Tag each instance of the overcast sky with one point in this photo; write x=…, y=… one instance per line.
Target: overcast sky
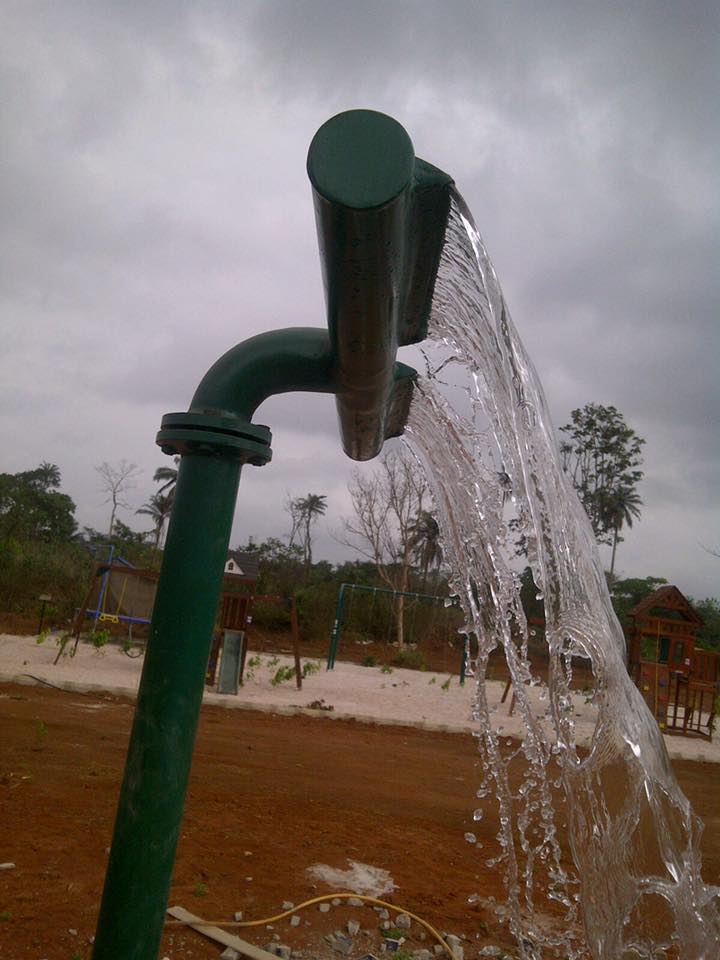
x=155, y=210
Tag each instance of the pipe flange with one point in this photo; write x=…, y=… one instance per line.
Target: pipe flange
x=215, y=435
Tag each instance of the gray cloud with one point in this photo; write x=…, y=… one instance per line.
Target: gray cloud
x=155, y=211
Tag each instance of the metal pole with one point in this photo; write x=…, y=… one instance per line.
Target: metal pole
x=296, y=642
x=337, y=627
x=159, y=756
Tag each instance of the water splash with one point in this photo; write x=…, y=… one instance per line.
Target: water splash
x=629, y=884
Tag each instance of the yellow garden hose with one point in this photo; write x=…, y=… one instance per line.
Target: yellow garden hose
x=309, y=903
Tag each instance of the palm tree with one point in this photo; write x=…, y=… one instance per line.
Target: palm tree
x=621, y=508
x=308, y=508
x=425, y=543
x=158, y=508
x=167, y=476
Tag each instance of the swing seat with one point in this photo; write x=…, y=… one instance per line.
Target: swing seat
x=109, y=618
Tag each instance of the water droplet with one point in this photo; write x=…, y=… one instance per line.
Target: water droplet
x=471, y=838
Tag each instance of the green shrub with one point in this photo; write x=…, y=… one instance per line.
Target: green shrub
x=411, y=658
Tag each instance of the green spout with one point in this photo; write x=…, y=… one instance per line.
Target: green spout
x=381, y=216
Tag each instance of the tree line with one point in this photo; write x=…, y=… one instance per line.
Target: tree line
x=391, y=529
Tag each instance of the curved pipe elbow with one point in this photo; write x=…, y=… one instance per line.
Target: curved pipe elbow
x=281, y=361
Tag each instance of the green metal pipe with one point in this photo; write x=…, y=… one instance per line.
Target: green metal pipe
x=171, y=688
x=281, y=361
x=381, y=216
x=337, y=627
x=381, y=226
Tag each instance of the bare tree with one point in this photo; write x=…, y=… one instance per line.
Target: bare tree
x=383, y=529
x=115, y=480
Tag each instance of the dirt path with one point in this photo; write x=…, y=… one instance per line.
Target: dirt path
x=269, y=797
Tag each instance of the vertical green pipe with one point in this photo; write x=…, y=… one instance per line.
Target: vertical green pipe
x=160, y=753
x=337, y=627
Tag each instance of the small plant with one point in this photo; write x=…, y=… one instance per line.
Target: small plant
x=41, y=731
x=310, y=667
x=386, y=668
x=273, y=662
x=282, y=674
x=42, y=636
x=63, y=643
x=5, y=914
x=130, y=649
x=411, y=658
x=446, y=685
x=392, y=933
x=252, y=665
x=432, y=680
x=369, y=661
x=99, y=638
x=200, y=890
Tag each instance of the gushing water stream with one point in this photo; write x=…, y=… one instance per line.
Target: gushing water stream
x=628, y=883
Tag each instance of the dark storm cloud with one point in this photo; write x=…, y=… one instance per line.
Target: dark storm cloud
x=155, y=211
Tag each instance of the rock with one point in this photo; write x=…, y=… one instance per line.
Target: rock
x=392, y=946
x=355, y=902
x=229, y=954
x=336, y=901
x=295, y=920
x=455, y=945
x=491, y=952
x=422, y=955
x=7, y=866
x=340, y=943
x=72, y=932
x=288, y=905
x=238, y=916
x=324, y=908
x=279, y=950
x=382, y=913
x=438, y=949
x=353, y=927
x=403, y=921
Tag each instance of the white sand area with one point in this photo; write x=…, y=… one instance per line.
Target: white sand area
x=416, y=698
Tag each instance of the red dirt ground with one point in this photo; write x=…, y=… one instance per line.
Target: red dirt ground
x=269, y=796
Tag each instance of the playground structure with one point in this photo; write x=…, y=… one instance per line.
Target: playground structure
x=381, y=216
x=677, y=678
x=120, y=593
x=374, y=623
x=231, y=641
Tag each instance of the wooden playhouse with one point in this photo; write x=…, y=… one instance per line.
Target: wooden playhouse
x=677, y=678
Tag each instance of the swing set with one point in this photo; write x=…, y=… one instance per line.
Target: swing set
x=350, y=593
x=118, y=593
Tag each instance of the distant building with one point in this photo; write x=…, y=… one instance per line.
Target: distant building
x=243, y=565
